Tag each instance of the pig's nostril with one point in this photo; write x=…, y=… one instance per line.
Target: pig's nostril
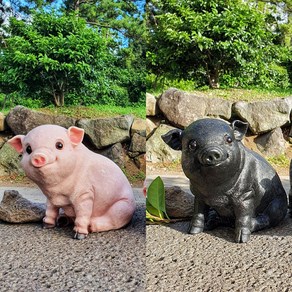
x=212, y=156
x=209, y=158
x=38, y=160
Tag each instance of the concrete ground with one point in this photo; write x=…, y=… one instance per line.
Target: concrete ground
x=36, y=259
x=212, y=261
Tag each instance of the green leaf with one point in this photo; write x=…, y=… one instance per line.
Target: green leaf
x=155, y=201
x=153, y=211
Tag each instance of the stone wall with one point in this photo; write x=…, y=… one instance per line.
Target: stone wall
x=269, y=121
x=122, y=138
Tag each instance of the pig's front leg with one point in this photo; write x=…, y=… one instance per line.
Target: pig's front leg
x=244, y=210
x=52, y=212
x=83, y=206
x=198, y=220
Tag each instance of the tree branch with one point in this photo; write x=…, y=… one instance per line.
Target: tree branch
x=104, y=25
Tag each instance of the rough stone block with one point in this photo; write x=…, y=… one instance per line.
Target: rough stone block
x=16, y=209
x=139, y=127
x=182, y=108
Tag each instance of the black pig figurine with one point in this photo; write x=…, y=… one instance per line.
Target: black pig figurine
x=230, y=182
x=290, y=192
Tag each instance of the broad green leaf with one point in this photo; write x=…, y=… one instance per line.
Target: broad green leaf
x=156, y=195
x=153, y=210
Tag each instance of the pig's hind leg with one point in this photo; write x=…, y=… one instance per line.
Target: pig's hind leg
x=52, y=212
x=116, y=217
x=272, y=215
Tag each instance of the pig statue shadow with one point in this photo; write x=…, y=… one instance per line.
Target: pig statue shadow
x=233, y=186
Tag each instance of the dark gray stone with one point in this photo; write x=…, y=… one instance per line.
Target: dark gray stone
x=179, y=204
x=157, y=150
x=138, y=144
x=151, y=105
x=133, y=154
x=116, y=153
x=9, y=161
x=264, y=116
x=271, y=143
x=16, y=209
x=138, y=127
x=21, y=120
x=151, y=124
x=181, y=108
x=106, y=132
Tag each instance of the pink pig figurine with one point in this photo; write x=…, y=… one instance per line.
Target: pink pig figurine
x=90, y=188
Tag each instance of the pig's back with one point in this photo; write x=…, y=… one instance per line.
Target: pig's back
x=107, y=177
x=265, y=179
x=259, y=164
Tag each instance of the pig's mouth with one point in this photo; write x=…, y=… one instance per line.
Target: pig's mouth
x=214, y=156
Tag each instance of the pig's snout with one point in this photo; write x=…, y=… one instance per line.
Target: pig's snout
x=212, y=156
x=39, y=159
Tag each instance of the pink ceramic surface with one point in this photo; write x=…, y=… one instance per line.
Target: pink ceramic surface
x=89, y=187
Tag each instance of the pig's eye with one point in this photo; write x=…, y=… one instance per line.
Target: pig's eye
x=59, y=145
x=228, y=139
x=192, y=145
x=28, y=150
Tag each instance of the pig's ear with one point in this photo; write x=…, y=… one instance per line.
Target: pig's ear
x=173, y=139
x=75, y=135
x=239, y=129
x=16, y=143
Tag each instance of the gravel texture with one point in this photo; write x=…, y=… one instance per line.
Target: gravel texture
x=212, y=261
x=36, y=259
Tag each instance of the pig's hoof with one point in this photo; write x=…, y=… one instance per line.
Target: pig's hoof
x=79, y=236
x=242, y=235
x=195, y=230
x=48, y=226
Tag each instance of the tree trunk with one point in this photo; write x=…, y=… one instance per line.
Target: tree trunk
x=213, y=78
x=59, y=98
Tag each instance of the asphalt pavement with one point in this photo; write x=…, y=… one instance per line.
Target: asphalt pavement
x=212, y=261
x=36, y=259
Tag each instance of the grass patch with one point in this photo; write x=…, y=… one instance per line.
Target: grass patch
x=232, y=94
x=90, y=112
x=249, y=95
x=135, y=178
x=279, y=161
x=236, y=94
x=95, y=111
